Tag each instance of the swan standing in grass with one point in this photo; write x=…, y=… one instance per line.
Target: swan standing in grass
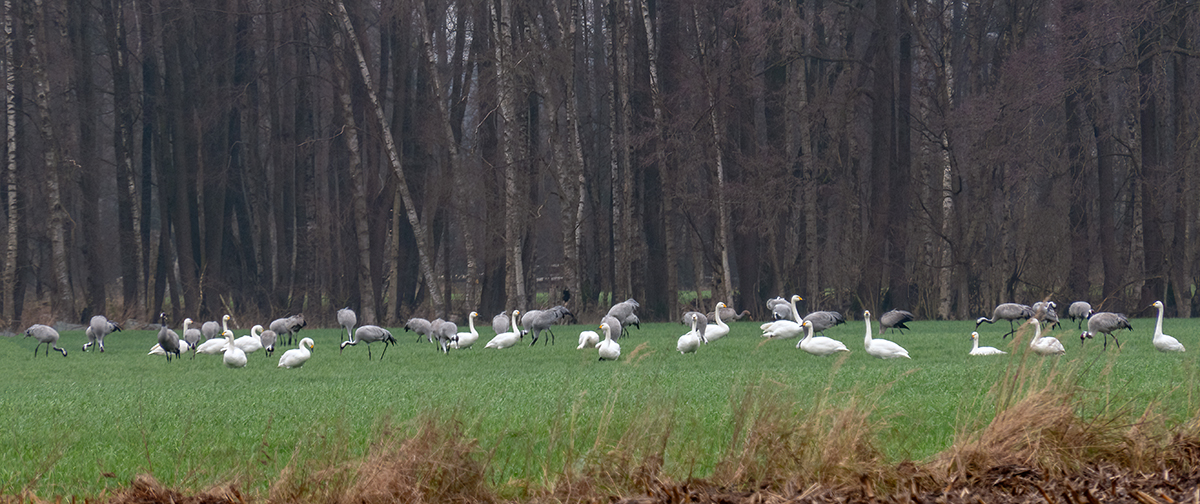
x=1048, y=345
x=783, y=328
x=877, y=347
x=234, y=356
x=510, y=336
x=819, y=345
x=1163, y=342
x=252, y=342
x=296, y=357
x=588, y=339
x=464, y=340
x=987, y=350
x=689, y=342
x=718, y=330
x=608, y=349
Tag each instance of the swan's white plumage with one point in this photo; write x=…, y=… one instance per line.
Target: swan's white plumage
x=464, y=340
x=987, y=350
x=588, y=339
x=717, y=330
x=507, y=338
x=689, y=342
x=783, y=329
x=1047, y=345
x=157, y=349
x=252, y=342
x=1163, y=342
x=234, y=356
x=819, y=345
x=881, y=348
x=296, y=357
x=608, y=349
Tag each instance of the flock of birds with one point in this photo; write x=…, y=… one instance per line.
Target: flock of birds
x=218, y=339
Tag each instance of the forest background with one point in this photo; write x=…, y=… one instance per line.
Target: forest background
x=435, y=157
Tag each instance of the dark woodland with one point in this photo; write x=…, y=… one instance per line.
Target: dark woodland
x=433, y=157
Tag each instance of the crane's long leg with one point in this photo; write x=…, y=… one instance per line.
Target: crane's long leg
x=368, y=351
x=551, y=340
x=381, y=354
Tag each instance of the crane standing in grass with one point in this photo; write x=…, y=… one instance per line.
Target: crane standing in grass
x=1106, y=323
x=167, y=338
x=44, y=334
x=369, y=334
x=1079, y=310
x=98, y=328
x=1009, y=312
x=347, y=319
x=536, y=321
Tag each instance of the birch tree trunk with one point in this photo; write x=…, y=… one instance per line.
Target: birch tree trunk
x=723, y=225
x=424, y=249
x=63, y=299
x=366, y=290
x=511, y=140
x=664, y=167
x=10, y=173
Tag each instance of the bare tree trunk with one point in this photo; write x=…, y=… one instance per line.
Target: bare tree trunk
x=362, y=231
x=511, y=139
x=419, y=231
x=664, y=167
x=10, y=172
x=723, y=227
x=63, y=298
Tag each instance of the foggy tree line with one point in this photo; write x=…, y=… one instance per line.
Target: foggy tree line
x=438, y=157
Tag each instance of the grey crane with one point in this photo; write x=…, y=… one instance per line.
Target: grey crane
x=780, y=308
x=612, y=323
x=1105, y=323
x=501, y=323
x=729, y=314
x=1079, y=310
x=369, y=334
x=1009, y=312
x=44, y=334
x=167, y=338
x=421, y=327
x=290, y=325
x=269, y=338
x=624, y=311
x=98, y=328
x=1046, y=311
x=536, y=321
x=822, y=320
x=701, y=321
x=347, y=318
x=445, y=332
x=210, y=329
x=895, y=319
x=190, y=334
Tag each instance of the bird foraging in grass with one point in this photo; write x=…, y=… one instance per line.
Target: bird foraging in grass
x=44, y=334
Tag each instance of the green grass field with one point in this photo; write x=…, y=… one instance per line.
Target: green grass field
x=89, y=422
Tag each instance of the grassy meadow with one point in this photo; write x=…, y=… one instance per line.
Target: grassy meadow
x=88, y=423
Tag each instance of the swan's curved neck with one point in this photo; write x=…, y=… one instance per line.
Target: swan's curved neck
x=471, y=322
x=1037, y=333
x=795, y=312
x=1158, y=326
x=512, y=322
x=717, y=315
x=808, y=332
x=224, y=324
x=974, y=344
x=867, y=338
x=186, y=322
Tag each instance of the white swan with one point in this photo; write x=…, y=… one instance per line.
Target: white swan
x=234, y=356
x=608, y=349
x=1048, y=345
x=588, y=339
x=819, y=345
x=252, y=342
x=215, y=346
x=508, y=338
x=987, y=350
x=1163, y=342
x=464, y=340
x=296, y=357
x=783, y=329
x=688, y=343
x=877, y=347
x=719, y=329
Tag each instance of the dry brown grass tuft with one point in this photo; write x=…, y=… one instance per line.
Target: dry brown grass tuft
x=427, y=460
x=146, y=490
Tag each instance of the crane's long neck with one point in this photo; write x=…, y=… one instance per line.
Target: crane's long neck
x=1158, y=326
